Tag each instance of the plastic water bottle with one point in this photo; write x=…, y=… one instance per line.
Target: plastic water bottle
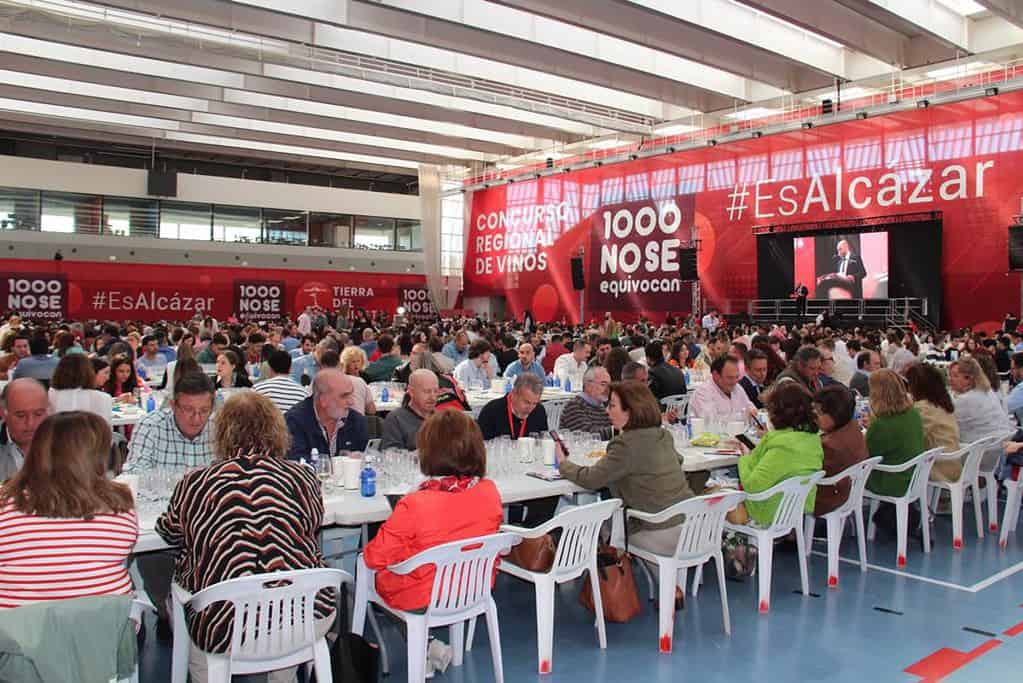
x=508, y=386
x=568, y=384
x=150, y=404
x=385, y=395
x=368, y=478
x=557, y=382
x=685, y=374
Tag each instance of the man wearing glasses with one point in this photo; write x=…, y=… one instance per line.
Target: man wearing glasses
x=587, y=412
x=177, y=436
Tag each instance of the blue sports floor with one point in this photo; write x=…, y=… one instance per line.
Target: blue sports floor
x=948, y=616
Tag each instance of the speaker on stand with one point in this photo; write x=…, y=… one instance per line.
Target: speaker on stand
x=579, y=280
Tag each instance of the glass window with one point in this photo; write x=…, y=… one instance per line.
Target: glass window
x=185, y=221
x=409, y=235
x=330, y=230
x=66, y=212
x=374, y=233
x=126, y=217
x=281, y=226
x=236, y=224
x=19, y=209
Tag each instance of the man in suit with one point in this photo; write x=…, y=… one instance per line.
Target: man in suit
x=800, y=296
x=755, y=380
x=665, y=380
x=850, y=267
x=866, y=363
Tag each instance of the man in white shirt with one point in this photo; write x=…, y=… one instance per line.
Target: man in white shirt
x=279, y=387
x=477, y=370
x=711, y=322
x=722, y=397
x=570, y=367
x=305, y=322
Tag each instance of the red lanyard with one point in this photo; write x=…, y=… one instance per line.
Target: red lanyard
x=511, y=422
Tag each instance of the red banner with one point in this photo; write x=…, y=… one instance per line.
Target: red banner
x=129, y=291
x=963, y=159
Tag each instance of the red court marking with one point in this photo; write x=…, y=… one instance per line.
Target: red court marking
x=665, y=643
x=945, y=661
x=1015, y=630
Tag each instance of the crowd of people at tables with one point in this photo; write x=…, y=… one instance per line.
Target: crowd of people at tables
x=310, y=388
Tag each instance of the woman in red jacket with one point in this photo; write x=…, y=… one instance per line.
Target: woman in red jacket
x=456, y=502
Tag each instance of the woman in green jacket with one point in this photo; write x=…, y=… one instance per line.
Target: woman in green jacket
x=896, y=431
x=792, y=448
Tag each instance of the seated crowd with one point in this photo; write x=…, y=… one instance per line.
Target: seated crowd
x=246, y=403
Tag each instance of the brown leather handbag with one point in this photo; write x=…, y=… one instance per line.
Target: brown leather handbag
x=617, y=586
x=534, y=554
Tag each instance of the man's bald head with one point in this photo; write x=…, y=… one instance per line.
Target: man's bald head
x=25, y=406
x=332, y=394
x=423, y=388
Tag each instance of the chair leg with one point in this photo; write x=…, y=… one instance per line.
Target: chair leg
x=666, y=579
x=697, y=580
x=1012, y=503
x=956, y=494
x=417, y=641
x=719, y=560
x=495, y=641
x=902, y=526
x=861, y=538
x=321, y=662
x=809, y=522
x=992, y=501
x=457, y=634
x=545, y=622
x=978, y=512
x=361, y=597
x=470, y=635
x=834, y=545
x=925, y=526
x=871, y=527
x=218, y=669
x=598, y=606
x=765, y=557
x=804, y=576
x=181, y=646
x=649, y=579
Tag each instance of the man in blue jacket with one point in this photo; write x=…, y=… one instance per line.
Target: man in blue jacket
x=325, y=420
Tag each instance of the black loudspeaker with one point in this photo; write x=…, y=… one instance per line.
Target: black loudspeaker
x=1016, y=247
x=162, y=183
x=827, y=106
x=687, y=264
x=578, y=281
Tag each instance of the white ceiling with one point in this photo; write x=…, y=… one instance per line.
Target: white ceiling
x=390, y=84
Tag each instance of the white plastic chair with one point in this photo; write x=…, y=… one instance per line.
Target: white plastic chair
x=676, y=401
x=462, y=580
x=260, y=639
x=373, y=444
x=139, y=607
x=987, y=470
x=916, y=491
x=1013, y=491
x=699, y=541
x=554, y=410
x=576, y=553
x=857, y=475
x=970, y=476
x=787, y=518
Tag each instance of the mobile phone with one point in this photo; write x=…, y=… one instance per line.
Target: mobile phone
x=746, y=441
x=557, y=440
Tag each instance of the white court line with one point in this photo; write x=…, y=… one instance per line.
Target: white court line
x=975, y=588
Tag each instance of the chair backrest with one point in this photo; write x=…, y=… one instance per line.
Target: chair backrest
x=922, y=465
x=373, y=444
x=679, y=401
x=974, y=453
x=463, y=571
x=857, y=475
x=579, y=529
x=704, y=522
x=273, y=612
x=793, y=493
x=554, y=410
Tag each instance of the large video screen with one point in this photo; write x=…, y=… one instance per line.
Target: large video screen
x=850, y=266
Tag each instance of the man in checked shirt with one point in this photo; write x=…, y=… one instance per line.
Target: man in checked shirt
x=172, y=437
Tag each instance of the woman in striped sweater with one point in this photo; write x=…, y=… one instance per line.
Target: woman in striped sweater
x=66, y=530
x=251, y=512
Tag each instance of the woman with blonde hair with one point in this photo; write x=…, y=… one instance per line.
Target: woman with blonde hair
x=978, y=409
x=353, y=362
x=264, y=511
x=61, y=512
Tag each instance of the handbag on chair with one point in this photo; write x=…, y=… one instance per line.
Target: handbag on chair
x=534, y=554
x=353, y=659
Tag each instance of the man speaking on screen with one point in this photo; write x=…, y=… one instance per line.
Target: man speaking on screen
x=850, y=268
